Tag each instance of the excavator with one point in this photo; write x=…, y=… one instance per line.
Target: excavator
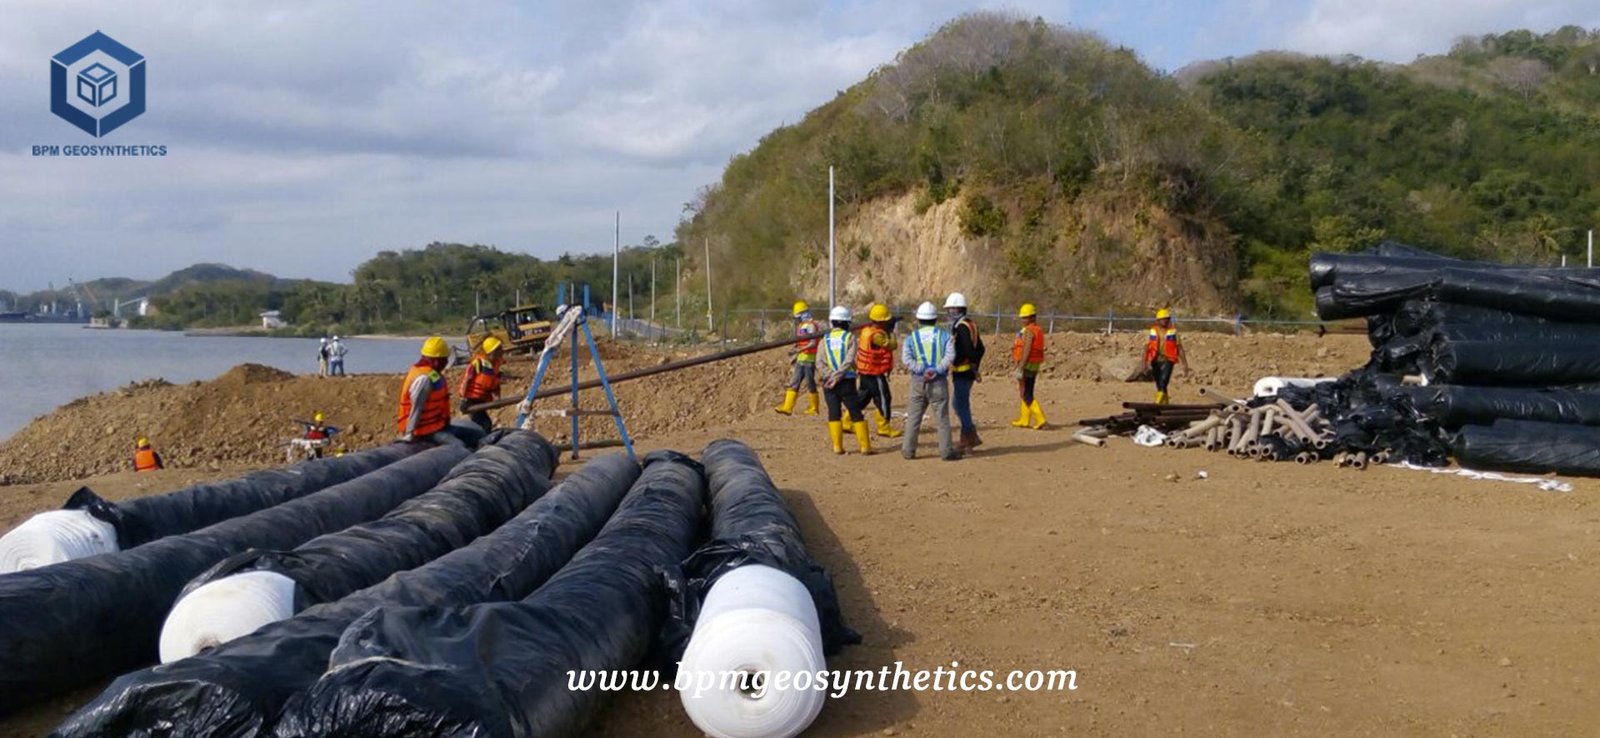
x=521, y=328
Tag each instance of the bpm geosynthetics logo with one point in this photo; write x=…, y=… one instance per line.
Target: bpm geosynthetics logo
x=97, y=84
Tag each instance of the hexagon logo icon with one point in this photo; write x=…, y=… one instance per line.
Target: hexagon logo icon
x=97, y=84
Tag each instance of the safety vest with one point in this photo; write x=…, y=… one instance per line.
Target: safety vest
x=927, y=346
x=809, y=334
x=977, y=344
x=481, y=380
x=1029, y=346
x=316, y=433
x=1162, y=342
x=144, y=459
x=872, y=359
x=435, y=408
x=834, y=348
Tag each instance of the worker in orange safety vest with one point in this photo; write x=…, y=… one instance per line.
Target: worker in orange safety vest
x=804, y=359
x=1163, y=351
x=480, y=383
x=1027, y=352
x=425, y=395
x=145, y=458
x=874, y=361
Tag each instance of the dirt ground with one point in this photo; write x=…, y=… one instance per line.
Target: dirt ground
x=1264, y=599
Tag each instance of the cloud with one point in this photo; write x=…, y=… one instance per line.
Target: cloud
x=1400, y=31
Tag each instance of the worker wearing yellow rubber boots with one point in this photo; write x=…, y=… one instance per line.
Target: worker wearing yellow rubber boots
x=1163, y=351
x=874, y=361
x=836, y=371
x=1027, y=351
x=804, y=360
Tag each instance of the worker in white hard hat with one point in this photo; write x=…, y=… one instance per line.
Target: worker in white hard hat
x=964, y=369
x=836, y=372
x=336, y=352
x=803, y=358
x=928, y=354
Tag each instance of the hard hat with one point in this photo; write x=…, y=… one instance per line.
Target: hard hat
x=316, y=417
x=335, y=338
x=1027, y=311
x=324, y=339
x=839, y=314
x=926, y=311
x=955, y=300
x=142, y=442
x=490, y=345
x=800, y=307
x=435, y=348
x=879, y=312
x=1163, y=313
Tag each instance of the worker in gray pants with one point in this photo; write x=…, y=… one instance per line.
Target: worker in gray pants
x=927, y=354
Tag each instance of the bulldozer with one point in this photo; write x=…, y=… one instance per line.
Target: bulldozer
x=521, y=328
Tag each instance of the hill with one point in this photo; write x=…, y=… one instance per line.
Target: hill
x=1010, y=157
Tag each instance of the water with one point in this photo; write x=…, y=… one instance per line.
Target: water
x=48, y=365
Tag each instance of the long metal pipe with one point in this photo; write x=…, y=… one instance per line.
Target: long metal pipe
x=648, y=371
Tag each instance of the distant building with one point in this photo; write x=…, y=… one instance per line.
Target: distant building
x=272, y=319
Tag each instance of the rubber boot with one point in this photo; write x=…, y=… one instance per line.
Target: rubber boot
x=1022, y=417
x=863, y=437
x=885, y=430
x=811, y=404
x=788, y=402
x=836, y=434
x=1162, y=398
x=1037, y=415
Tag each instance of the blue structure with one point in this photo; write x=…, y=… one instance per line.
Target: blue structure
x=567, y=327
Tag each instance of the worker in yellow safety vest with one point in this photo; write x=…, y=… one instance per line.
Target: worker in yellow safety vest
x=1163, y=351
x=1027, y=351
x=836, y=370
x=804, y=359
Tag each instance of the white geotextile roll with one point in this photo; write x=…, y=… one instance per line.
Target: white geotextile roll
x=222, y=610
x=755, y=618
x=1269, y=386
x=53, y=537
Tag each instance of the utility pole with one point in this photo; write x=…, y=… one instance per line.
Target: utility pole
x=616, y=260
x=630, y=295
x=652, y=291
x=710, y=325
x=832, y=297
x=677, y=293
x=1591, y=248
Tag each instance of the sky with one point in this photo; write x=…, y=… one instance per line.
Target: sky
x=303, y=136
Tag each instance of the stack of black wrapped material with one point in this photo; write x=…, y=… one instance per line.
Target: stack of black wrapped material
x=1503, y=361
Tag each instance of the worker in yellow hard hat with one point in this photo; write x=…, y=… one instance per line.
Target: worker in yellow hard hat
x=481, y=382
x=874, y=360
x=145, y=458
x=317, y=432
x=1163, y=351
x=1027, y=352
x=803, y=358
x=425, y=395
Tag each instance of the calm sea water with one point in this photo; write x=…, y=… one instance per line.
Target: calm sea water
x=45, y=366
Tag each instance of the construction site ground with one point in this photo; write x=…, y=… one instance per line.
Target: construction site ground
x=1256, y=599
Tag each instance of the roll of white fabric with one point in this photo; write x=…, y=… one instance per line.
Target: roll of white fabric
x=755, y=619
x=1269, y=386
x=222, y=610
x=53, y=537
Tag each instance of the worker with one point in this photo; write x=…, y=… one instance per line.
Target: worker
x=874, y=361
x=964, y=369
x=1162, y=351
x=836, y=372
x=336, y=352
x=322, y=358
x=1027, y=352
x=145, y=458
x=425, y=395
x=804, y=358
x=927, y=355
x=481, y=382
x=317, y=434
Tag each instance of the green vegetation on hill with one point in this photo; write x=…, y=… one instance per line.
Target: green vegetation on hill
x=1491, y=151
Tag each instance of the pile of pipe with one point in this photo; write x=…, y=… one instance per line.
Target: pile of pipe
x=1495, y=365
x=455, y=603
x=1265, y=431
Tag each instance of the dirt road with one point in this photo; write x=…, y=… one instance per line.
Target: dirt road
x=1266, y=599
